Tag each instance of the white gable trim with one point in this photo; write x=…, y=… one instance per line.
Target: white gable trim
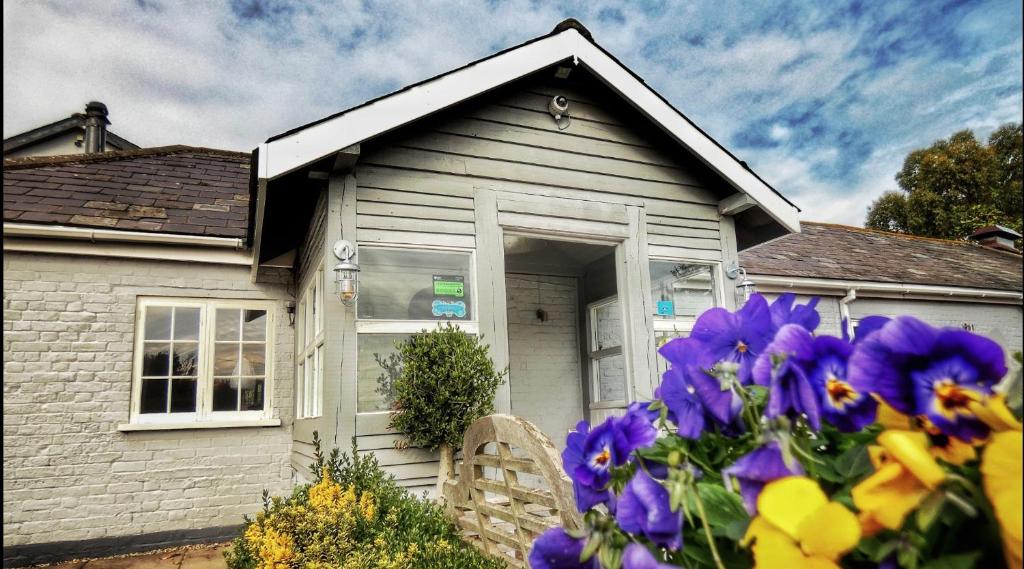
x=293, y=151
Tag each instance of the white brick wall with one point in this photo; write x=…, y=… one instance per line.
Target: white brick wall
x=69, y=474
x=545, y=359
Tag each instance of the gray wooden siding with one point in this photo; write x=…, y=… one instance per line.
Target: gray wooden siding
x=417, y=186
x=311, y=251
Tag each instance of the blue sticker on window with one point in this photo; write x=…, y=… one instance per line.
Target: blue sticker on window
x=666, y=308
x=451, y=309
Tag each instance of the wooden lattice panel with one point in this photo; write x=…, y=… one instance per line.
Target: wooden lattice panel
x=510, y=488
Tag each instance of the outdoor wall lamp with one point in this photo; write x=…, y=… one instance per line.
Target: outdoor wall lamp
x=346, y=273
x=290, y=307
x=734, y=271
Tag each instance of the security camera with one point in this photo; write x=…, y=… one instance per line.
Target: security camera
x=558, y=106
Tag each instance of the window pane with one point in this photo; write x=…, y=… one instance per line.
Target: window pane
x=154, y=396
x=158, y=323
x=253, y=359
x=254, y=325
x=414, y=285
x=186, y=323
x=225, y=359
x=252, y=394
x=315, y=394
x=156, y=358
x=317, y=305
x=225, y=394
x=186, y=358
x=611, y=378
x=183, y=396
x=681, y=290
x=376, y=371
x=608, y=326
x=227, y=324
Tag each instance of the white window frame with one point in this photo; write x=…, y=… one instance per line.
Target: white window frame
x=595, y=354
x=204, y=380
x=310, y=336
x=677, y=324
x=392, y=326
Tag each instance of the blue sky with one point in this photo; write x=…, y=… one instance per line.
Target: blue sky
x=823, y=99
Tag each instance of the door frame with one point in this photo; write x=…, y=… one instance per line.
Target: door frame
x=632, y=275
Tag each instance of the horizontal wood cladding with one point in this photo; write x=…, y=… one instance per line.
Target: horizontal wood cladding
x=311, y=250
x=416, y=185
x=412, y=467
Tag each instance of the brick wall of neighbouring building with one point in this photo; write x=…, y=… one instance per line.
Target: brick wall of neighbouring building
x=68, y=473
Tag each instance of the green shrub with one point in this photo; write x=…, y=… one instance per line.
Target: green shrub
x=447, y=381
x=355, y=516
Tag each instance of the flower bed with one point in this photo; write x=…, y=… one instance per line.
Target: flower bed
x=354, y=517
x=783, y=449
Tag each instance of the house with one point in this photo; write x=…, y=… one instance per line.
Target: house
x=175, y=330
x=974, y=284
x=80, y=133
x=179, y=321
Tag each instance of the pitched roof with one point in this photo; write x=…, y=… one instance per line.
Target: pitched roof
x=569, y=41
x=74, y=122
x=841, y=252
x=169, y=189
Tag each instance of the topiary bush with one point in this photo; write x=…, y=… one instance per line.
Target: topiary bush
x=355, y=516
x=447, y=381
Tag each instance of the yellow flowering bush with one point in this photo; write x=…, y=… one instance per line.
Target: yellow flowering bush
x=353, y=516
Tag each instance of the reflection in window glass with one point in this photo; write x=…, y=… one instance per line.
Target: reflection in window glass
x=611, y=378
x=239, y=366
x=608, y=326
x=401, y=284
x=377, y=369
x=170, y=359
x=681, y=290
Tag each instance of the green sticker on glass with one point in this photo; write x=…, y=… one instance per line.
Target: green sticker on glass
x=449, y=286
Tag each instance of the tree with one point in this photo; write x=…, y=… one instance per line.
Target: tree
x=446, y=381
x=955, y=186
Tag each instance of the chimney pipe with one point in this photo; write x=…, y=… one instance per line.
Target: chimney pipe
x=996, y=237
x=95, y=127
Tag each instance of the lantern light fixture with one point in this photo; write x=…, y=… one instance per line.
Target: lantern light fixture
x=346, y=273
x=736, y=272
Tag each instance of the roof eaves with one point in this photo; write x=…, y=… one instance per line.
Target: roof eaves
x=43, y=132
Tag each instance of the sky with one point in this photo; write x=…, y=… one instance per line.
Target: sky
x=822, y=99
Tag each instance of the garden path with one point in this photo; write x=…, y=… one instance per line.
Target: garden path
x=183, y=558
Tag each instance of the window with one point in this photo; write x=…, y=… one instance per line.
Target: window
x=201, y=360
x=680, y=292
x=607, y=363
x=402, y=292
x=309, y=355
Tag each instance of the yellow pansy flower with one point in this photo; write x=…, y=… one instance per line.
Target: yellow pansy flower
x=949, y=449
x=905, y=473
x=1001, y=474
x=994, y=413
x=797, y=527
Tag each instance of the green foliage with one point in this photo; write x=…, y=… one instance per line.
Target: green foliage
x=956, y=186
x=447, y=381
x=355, y=516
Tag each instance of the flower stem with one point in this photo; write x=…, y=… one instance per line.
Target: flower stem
x=707, y=528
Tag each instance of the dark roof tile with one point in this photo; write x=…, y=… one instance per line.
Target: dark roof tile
x=840, y=252
x=149, y=189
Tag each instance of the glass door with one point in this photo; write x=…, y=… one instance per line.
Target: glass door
x=607, y=364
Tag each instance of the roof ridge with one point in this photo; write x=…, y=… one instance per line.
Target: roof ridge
x=36, y=161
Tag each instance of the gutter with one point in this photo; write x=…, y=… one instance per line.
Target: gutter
x=844, y=310
x=929, y=292
x=116, y=236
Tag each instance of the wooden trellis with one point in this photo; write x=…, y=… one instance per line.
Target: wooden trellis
x=510, y=488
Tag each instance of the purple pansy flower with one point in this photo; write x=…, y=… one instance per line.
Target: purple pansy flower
x=590, y=454
x=732, y=337
x=637, y=556
x=686, y=381
x=684, y=408
x=643, y=509
x=586, y=466
x=867, y=325
x=781, y=368
x=938, y=373
x=783, y=312
x=843, y=406
x=555, y=549
x=757, y=468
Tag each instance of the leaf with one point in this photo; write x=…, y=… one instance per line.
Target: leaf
x=958, y=561
x=853, y=464
x=929, y=510
x=721, y=507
